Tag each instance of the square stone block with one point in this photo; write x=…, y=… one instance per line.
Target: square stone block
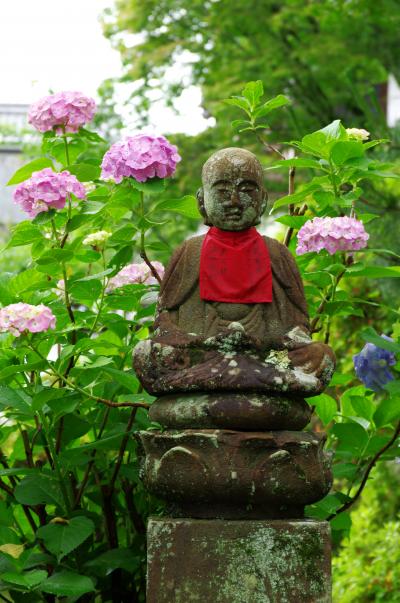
x=238, y=561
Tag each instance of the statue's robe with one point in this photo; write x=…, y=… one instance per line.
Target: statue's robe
x=267, y=323
x=211, y=346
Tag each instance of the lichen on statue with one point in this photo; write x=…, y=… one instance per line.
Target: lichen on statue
x=232, y=315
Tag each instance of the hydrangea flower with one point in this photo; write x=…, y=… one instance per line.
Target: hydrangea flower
x=20, y=318
x=97, y=238
x=372, y=365
x=358, y=133
x=140, y=157
x=64, y=110
x=47, y=189
x=332, y=234
x=136, y=274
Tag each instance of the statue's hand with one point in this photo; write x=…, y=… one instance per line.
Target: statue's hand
x=312, y=358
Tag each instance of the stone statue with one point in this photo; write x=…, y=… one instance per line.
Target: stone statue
x=219, y=346
x=230, y=361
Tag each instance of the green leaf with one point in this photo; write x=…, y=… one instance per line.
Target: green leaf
x=39, y=490
x=387, y=412
x=27, y=170
x=115, y=559
x=369, y=334
x=67, y=584
x=60, y=538
x=87, y=291
x=357, y=270
x=24, y=233
x=271, y=105
x=28, y=280
x=85, y=172
x=293, y=221
x=239, y=101
x=187, y=206
x=92, y=136
x=15, y=399
x=343, y=150
x=297, y=197
x=27, y=580
x=334, y=131
x=297, y=162
x=325, y=407
x=153, y=186
x=125, y=378
x=253, y=91
x=55, y=256
x=352, y=437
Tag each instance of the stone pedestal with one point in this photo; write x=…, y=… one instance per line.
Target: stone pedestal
x=238, y=561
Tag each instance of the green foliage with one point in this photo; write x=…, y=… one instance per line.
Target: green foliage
x=367, y=566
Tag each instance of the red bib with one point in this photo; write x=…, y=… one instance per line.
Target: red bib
x=235, y=267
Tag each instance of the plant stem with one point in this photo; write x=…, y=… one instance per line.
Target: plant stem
x=142, y=252
x=55, y=461
x=87, y=394
x=122, y=448
x=368, y=470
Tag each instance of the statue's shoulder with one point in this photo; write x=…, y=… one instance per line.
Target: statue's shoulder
x=182, y=272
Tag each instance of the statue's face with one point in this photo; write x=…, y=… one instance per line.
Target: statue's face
x=233, y=194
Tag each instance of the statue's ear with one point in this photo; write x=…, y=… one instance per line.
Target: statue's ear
x=263, y=205
x=202, y=209
x=264, y=201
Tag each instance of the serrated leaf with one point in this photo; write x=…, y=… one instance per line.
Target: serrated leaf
x=186, y=206
x=38, y=490
x=62, y=538
x=27, y=170
x=27, y=580
x=292, y=221
x=271, y=105
x=343, y=150
x=325, y=407
x=387, y=411
x=24, y=233
x=153, y=186
x=297, y=197
x=85, y=172
x=67, y=584
x=253, y=91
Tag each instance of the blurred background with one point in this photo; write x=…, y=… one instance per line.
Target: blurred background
x=165, y=66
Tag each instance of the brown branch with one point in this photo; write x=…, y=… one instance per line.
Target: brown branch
x=134, y=515
x=122, y=449
x=368, y=470
x=5, y=488
x=123, y=404
x=322, y=305
x=154, y=272
x=27, y=448
x=290, y=231
x=91, y=462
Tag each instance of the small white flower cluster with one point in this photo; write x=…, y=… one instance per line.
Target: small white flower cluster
x=97, y=238
x=358, y=133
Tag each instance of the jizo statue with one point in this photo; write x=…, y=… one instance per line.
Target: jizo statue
x=230, y=362
x=232, y=314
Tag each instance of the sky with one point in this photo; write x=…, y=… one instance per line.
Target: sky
x=58, y=45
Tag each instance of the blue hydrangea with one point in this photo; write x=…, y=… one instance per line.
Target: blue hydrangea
x=372, y=365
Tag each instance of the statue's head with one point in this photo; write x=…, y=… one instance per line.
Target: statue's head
x=232, y=196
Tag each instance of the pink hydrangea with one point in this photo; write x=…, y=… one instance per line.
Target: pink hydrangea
x=20, y=318
x=64, y=110
x=47, y=189
x=134, y=274
x=140, y=157
x=332, y=234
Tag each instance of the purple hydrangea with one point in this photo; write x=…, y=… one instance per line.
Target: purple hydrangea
x=20, y=318
x=134, y=274
x=47, y=189
x=140, y=157
x=64, y=110
x=332, y=234
x=372, y=365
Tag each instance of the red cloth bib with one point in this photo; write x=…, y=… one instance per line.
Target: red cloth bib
x=235, y=267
